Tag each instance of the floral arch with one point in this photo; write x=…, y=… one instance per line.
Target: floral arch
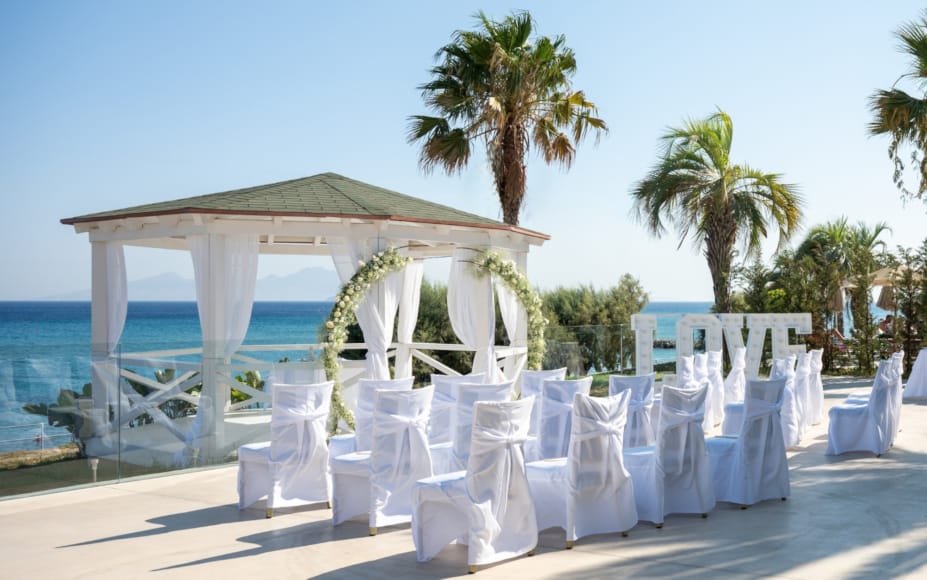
x=390, y=261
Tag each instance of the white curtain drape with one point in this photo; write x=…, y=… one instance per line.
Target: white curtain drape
x=408, y=316
x=104, y=369
x=472, y=313
x=225, y=270
x=514, y=319
x=117, y=294
x=376, y=314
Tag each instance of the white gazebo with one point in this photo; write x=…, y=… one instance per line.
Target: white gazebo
x=225, y=233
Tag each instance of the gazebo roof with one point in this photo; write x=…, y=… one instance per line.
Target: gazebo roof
x=275, y=209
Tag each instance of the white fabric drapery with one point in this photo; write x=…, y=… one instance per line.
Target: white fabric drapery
x=376, y=313
x=472, y=312
x=106, y=336
x=225, y=269
x=408, y=316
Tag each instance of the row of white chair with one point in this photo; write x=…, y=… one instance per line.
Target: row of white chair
x=489, y=504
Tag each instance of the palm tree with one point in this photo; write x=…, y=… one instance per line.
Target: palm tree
x=498, y=85
x=904, y=116
x=696, y=188
x=844, y=257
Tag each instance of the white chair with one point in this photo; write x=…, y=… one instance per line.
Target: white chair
x=782, y=367
x=556, y=415
x=699, y=368
x=363, y=418
x=815, y=408
x=674, y=476
x=736, y=379
x=488, y=506
x=865, y=424
x=531, y=384
x=803, y=392
x=685, y=371
x=916, y=388
x=791, y=411
x=714, y=403
x=380, y=481
x=450, y=457
x=638, y=431
x=753, y=466
x=589, y=491
x=441, y=429
x=292, y=468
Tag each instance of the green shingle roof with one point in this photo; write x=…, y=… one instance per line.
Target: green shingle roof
x=323, y=195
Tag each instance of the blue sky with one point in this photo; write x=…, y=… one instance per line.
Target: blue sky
x=112, y=104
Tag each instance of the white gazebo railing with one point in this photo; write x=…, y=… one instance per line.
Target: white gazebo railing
x=180, y=439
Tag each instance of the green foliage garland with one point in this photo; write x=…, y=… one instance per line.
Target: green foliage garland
x=342, y=315
x=489, y=262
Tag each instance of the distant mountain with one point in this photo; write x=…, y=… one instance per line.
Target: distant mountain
x=305, y=285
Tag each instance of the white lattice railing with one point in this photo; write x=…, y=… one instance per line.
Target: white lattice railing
x=132, y=405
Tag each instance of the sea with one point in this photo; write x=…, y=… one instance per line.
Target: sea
x=45, y=347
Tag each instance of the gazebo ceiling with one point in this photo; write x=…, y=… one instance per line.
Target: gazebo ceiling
x=297, y=216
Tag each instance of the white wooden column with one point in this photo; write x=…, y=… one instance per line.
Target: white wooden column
x=214, y=395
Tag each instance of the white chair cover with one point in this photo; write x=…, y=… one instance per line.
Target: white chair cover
x=803, y=391
x=714, y=404
x=489, y=506
x=531, y=382
x=865, y=424
x=366, y=399
x=917, y=382
x=292, y=468
x=638, y=431
x=685, y=371
x=791, y=411
x=815, y=408
x=896, y=396
x=674, y=476
x=753, y=467
x=380, y=481
x=736, y=379
x=734, y=412
x=700, y=368
x=467, y=396
x=589, y=491
x=441, y=429
x=557, y=414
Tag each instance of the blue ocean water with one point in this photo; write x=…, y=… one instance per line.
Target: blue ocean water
x=668, y=313
x=45, y=346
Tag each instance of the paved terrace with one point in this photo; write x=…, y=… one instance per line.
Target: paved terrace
x=854, y=516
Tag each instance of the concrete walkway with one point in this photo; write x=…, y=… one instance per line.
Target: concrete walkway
x=854, y=516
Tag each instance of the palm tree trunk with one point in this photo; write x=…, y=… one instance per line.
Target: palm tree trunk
x=510, y=172
x=719, y=253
